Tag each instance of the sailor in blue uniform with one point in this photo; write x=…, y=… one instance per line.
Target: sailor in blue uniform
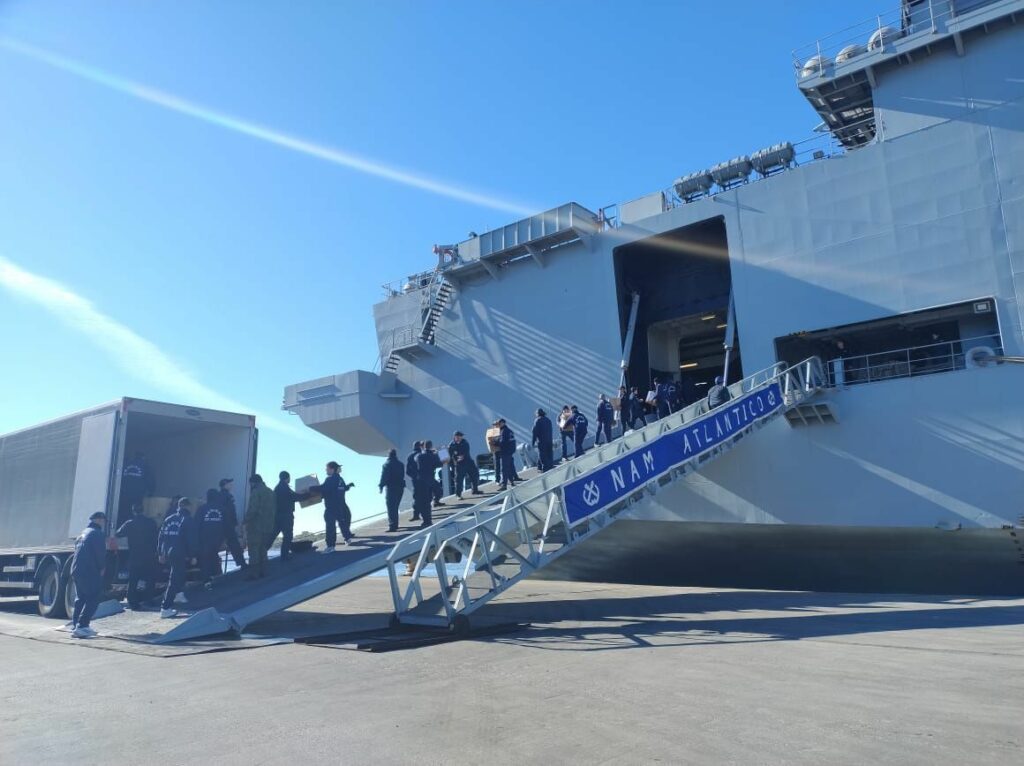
x=392, y=482
x=427, y=463
x=210, y=520
x=141, y=532
x=579, y=428
x=661, y=399
x=336, y=510
x=605, y=416
x=506, y=452
x=87, y=571
x=466, y=473
x=410, y=471
x=543, y=440
x=177, y=547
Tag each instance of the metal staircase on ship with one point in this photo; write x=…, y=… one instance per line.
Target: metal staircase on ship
x=504, y=539
x=412, y=340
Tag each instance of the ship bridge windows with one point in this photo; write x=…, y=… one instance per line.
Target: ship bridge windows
x=683, y=280
x=923, y=342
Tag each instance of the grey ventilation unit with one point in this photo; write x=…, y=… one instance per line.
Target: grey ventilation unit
x=694, y=185
x=773, y=159
x=732, y=173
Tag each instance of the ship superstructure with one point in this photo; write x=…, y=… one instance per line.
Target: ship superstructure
x=895, y=254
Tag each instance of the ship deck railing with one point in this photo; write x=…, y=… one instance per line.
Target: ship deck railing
x=929, y=359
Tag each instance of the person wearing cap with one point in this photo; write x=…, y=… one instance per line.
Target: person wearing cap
x=579, y=429
x=259, y=523
x=230, y=513
x=543, y=441
x=410, y=471
x=87, y=567
x=427, y=463
x=210, y=522
x=178, y=548
x=141, y=532
x=718, y=394
x=336, y=511
x=507, y=445
x=466, y=473
x=605, y=416
x=285, y=499
x=392, y=483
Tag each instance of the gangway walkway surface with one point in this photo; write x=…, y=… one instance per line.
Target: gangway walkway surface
x=504, y=539
x=236, y=602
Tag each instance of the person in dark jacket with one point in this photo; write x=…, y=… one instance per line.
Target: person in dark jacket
x=227, y=507
x=137, y=482
x=507, y=452
x=336, y=510
x=178, y=548
x=636, y=412
x=410, y=471
x=87, y=571
x=427, y=463
x=661, y=399
x=718, y=394
x=392, y=483
x=579, y=428
x=466, y=473
x=605, y=416
x=210, y=523
x=285, y=499
x=543, y=441
x=141, y=532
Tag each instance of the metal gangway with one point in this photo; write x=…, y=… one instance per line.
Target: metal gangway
x=506, y=538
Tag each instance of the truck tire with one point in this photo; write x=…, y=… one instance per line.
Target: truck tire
x=51, y=585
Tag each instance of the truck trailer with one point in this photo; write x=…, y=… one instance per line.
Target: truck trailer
x=53, y=476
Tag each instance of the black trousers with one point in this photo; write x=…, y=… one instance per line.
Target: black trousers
x=508, y=468
x=566, y=440
x=284, y=525
x=438, y=491
x=422, y=495
x=144, y=573
x=176, y=581
x=393, y=498
x=209, y=561
x=547, y=455
x=87, y=600
x=232, y=544
x=466, y=476
x=606, y=430
x=578, y=437
x=341, y=516
x=497, y=466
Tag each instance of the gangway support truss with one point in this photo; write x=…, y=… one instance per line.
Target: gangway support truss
x=504, y=539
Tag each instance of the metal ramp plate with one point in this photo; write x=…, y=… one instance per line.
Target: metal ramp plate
x=236, y=602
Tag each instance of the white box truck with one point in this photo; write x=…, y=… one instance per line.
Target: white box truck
x=54, y=475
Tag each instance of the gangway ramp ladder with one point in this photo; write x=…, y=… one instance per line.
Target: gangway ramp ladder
x=504, y=539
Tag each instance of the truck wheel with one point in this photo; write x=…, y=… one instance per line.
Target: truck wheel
x=70, y=592
x=51, y=587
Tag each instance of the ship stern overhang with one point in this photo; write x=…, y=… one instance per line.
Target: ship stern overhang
x=348, y=408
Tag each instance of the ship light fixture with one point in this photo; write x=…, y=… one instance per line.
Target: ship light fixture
x=708, y=317
x=688, y=366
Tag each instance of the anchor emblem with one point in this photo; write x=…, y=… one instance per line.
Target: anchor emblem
x=591, y=493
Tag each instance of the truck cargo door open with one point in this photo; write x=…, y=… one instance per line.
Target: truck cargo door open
x=92, y=470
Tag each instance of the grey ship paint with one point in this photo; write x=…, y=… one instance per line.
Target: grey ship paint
x=899, y=259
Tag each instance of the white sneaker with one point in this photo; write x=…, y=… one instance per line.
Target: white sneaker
x=81, y=633
x=166, y=613
x=67, y=627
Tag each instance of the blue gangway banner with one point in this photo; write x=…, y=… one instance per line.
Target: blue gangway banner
x=616, y=479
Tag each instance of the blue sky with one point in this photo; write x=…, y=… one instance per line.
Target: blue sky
x=177, y=253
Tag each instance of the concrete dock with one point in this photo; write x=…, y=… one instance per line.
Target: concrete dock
x=600, y=674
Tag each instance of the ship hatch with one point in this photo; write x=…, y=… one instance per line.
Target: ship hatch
x=683, y=280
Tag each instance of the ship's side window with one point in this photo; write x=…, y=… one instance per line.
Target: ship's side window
x=903, y=345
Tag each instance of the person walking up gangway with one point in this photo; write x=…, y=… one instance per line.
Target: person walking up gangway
x=605, y=416
x=565, y=426
x=141, y=532
x=427, y=463
x=718, y=394
x=392, y=483
x=410, y=471
x=336, y=510
x=177, y=547
x=507, y=445
x=87, y=568
x=285, y=499
x=661, y=399
x=466, y=473
x=579, y=429
x=543, y=441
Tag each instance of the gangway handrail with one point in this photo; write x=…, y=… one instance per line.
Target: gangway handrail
x=488, y=527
